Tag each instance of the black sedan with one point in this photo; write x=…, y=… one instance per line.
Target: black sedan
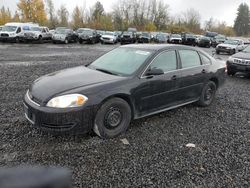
x=128, y=83
x=239, y=62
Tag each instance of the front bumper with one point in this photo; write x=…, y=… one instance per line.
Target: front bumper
x=73, y=121
x=225, y=50
x=233, y=67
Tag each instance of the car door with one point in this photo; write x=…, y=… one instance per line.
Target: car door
x=193, y=75
x=162, y=89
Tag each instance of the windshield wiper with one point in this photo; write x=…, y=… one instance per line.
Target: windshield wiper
x=106, y=71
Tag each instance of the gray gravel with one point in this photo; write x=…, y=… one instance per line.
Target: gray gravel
x=156, y=155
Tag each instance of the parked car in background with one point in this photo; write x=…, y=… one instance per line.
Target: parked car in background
x=128, y=37
x=119, y=34
x=161, y=38
x=14, y=31
x=219, y=39
x=210, y=34
x=132, y=29
x=203, y=42
x=145, y=37
x=37, y=34
x=188, y=39
x=175, y=39
x=88, y=36
x=239, y=62
x=63, y=35
x=100, y=33
x=1, y=27
x=230, y=46
x=109, y=38
x=127, y=83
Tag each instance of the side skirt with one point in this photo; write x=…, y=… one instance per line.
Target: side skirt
x=165, y=109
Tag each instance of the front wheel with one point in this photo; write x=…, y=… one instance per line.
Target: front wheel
x=208, y=94
x=66, y=41
x=232, y=51
x=113, y=118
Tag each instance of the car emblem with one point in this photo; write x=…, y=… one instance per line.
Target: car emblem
x=243, y=61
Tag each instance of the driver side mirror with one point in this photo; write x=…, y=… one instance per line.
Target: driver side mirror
x=154, y=72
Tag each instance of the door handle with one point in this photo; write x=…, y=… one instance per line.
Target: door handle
x=174, y=77
x=204, y=71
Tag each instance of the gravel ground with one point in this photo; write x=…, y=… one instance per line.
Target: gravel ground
x=155, y=155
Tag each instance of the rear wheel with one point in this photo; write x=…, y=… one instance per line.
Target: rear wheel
x=66, y=41
x=230, y=73
x=208, y=94
x=113, y=118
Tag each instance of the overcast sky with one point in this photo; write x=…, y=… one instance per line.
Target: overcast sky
x=222, y=10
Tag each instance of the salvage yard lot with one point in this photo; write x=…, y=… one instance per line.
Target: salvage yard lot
x=156, y=155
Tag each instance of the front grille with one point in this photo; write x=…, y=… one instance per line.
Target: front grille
x=4, y=35
x=222, y=47
x=106, y=38
x=242, y=61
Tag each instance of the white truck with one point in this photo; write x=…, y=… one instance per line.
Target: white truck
x=14, y=31
x=37, y=34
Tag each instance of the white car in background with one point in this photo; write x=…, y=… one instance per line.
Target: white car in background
x=175, y=39
x=15, y=31
x=37, y=34
x=231, y=46
x=109, y=37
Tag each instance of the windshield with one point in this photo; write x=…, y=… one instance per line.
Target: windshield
x=109, y=33
x=232, y=42
x=35, y=29
x=176, y=36
x=121, y=61
x=145, y=34
x=247, y=49
x=87, y=32
x=9, y=28
x=62, y=31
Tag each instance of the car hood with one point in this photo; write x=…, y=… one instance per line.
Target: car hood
x=108, y=36
x=60, y=35
x=175, y=38
x=58, y=82
x=242, y=55
x=227, y=45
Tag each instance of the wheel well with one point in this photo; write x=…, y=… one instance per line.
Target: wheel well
x=124, y=97
x=216, y=81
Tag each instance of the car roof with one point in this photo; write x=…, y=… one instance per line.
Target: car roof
x=157, y=47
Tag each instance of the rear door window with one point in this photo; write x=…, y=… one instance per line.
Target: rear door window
x=189, y=58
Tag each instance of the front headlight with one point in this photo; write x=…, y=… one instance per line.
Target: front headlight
x=231, y=59
x=67, y=101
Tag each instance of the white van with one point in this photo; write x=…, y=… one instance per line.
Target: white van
x=14, y=31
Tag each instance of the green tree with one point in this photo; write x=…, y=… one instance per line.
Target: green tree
x=5, y=15
x=242, y=22
x=63, y=15
x=98, y=11
x=77, y=18
x=32, y=11
x=52, y=21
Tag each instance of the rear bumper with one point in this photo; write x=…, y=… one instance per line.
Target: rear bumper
x=233, y=67
x=72, y=121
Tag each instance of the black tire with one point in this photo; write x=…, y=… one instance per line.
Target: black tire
x=112, y=118
x=40, y=40
x=208, y=94
x=217, y=52
x=232, y=51
x=80, y=41
x=17, y=40
x=54, y=42
x=230, y=73
x=66, y=41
